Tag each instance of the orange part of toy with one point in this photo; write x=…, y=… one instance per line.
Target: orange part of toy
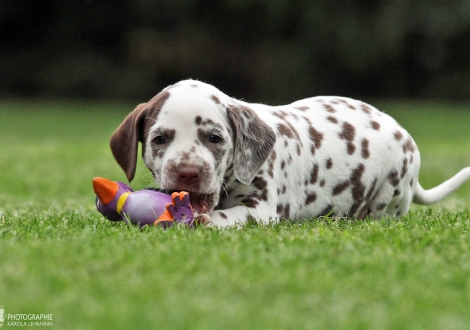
x=105, y=189
x=178, y=194
x=166, y=216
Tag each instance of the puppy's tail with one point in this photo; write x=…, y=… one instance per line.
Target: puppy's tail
x=438, y=193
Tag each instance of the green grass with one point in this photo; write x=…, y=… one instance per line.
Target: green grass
x=58, y=256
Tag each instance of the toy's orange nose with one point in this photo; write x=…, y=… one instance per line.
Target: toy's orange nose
x=105, y=189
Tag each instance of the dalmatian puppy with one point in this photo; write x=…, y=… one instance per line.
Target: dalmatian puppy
x=315, y=157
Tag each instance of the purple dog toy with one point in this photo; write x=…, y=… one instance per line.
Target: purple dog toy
x=117, y=201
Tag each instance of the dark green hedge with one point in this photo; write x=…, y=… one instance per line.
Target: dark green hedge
x=264, y=50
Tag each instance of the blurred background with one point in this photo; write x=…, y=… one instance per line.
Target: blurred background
x=271, y=51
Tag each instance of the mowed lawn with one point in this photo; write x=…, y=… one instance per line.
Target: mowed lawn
x=59, y=256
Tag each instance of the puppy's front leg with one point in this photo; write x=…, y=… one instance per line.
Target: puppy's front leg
x=238, y=216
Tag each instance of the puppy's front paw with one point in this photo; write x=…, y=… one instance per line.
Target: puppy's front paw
x=203, y=220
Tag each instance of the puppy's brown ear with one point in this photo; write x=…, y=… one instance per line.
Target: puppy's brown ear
x=254, y=141
x=125, y=140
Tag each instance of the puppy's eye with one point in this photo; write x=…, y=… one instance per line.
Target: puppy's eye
x=160, y=139
x=214, y=138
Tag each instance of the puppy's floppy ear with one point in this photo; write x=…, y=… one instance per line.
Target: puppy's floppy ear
x=125, y=140
x=254, y=141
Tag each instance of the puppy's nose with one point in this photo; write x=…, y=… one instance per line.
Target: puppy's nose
x=189, y=175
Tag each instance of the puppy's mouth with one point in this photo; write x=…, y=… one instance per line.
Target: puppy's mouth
x=201, y=203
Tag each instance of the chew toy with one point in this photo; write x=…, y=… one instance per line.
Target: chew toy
x=117, y=201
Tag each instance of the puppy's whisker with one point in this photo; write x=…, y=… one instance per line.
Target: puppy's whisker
x=224, y=188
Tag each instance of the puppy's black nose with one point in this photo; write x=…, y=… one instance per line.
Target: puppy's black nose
x=188, y=175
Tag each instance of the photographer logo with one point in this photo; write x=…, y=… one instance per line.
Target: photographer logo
x=24, y=320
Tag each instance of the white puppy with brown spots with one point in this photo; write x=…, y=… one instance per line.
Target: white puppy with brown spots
x=314, y=157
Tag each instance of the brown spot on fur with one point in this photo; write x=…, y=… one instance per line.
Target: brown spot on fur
x=198, y=120
x=365, y=108
x=358, y=190
x=393, y=178
x=314, y=174
x=312, y=197
x=408, y=146
x=371, y=190
x=348, y=132
x=329, y=163
x=329, y=108
x=375, y=125
x=303, y=108
x=223, y=215
x=365, y=148
x=259, y=183
x=287, y=211
x=396, y=192
x=284, y=130
x=215, y=99
x=250, y=202
x=404, y=167
x=287, y=128
x=351, y=148
x=356, y=175
x=280, y=114
x=315, y=136
x=340, y=187
x=212, y=123
x=332, y=119
x=312, y=149
x=398, y=135
x=365, y=210
x=271, y=163
x=185, y=157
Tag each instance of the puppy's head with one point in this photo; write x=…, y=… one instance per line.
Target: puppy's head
x=192, y=135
